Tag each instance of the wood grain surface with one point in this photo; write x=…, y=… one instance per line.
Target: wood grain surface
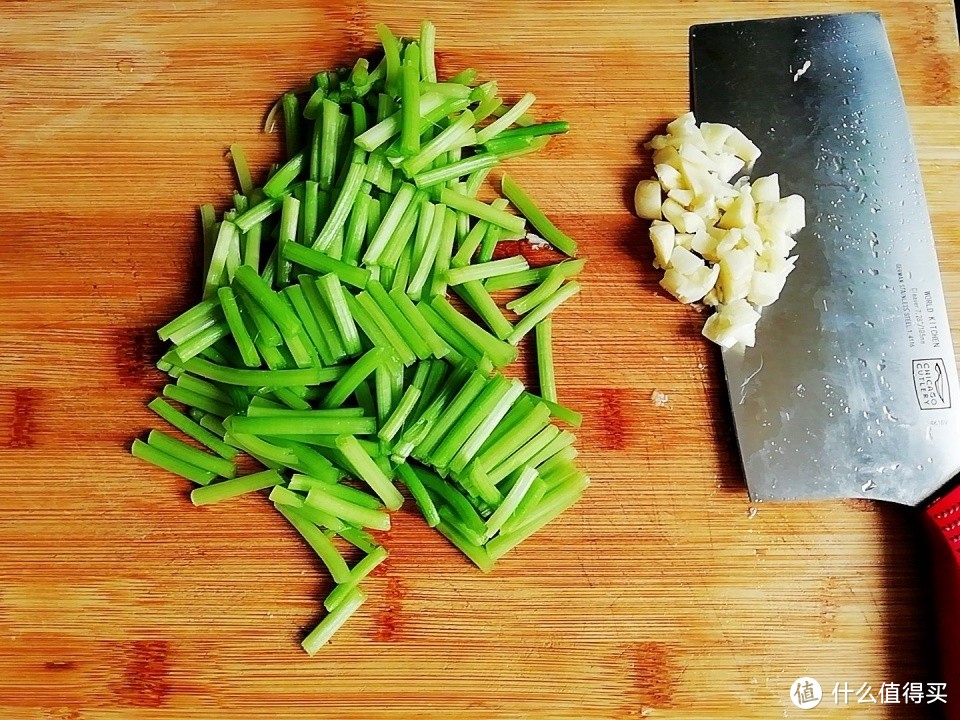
x=661, y=595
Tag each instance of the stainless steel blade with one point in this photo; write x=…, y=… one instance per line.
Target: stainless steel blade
x=851, y=389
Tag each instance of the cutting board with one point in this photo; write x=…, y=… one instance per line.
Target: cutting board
x=662, y=594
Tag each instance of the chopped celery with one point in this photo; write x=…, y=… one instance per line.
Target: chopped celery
x=321, y=634
x=227, y=489
x=157, y=457
x=544, y=227
x=548, y=381
x=477, y=209
x=542, y=311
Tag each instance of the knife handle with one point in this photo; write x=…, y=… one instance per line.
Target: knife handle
x=943, y=523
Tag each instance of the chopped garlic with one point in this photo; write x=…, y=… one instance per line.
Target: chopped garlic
x=720, y=242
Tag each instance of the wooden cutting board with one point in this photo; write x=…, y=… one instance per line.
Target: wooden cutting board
x=663, y=594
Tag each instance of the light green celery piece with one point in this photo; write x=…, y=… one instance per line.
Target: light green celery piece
x=321, y=634
x=564, y=414
x=500, y=353
x=403, y=351
x=410, y=101
x=401, y=412
x=268, y=300
x=344, y=492
x=544, y=227
x=355, y=374
x=203, y=387
x=323, y=316
x=389, y=127
x=402, y=274
x=530, y=501
x=196, y=400
x=403, y=232
x=477, y=554
x=260, y=378
x=323, y=263
x=479, y=300
x=438, y=347
x=366, y=323
x=481, y=210
x=542, y=311
x=557, y=127
x=242, y=169
x=486, y=426
x=542, y=292
x=258, y=213
x=417, y=343
x=451, y=497
x=238, y=328
x=341, y=208
x=452, y=171
x=296, y=296
x=482, y=271
x=428, y=39
x=471, y=242
x=291, y=123
x=533, y=276
x=420, y=495
x=391, y=54
x=510, y=503
x=548, y=380
x=264, y=329
x=356, y=226
x=280, y=180
x=284, y=496
x=459, y=345
x=424, y=226
x=227, y=489
x=369, y=471
x=383, y=392
x=201, y=315
x=320, y=498
x=455, y=135
x=389, y=223
x=320, y=543
x=307, y=422
x=467, y=394
x=170, y=463
x=333, y=294
x=481, y=485
x=358, y=572
x=525, y=454
x=443, y=225
x=560, y=443
x=228, y=241
x=505, y=120
x=192, y=428
x=529, y=426
x=330, y=120
x=486, y=402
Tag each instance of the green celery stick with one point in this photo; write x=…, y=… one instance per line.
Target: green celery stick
x=341, y=208
x=403, y=351
x=464, y=511
x=257, y=214
x=391, y=54
x=386, y=129
x=344, y=492
x=479, y=300
x=401, y=235
x=369, y=471
x=191, y=428
x=444, y=253
x=548, y=380
x=452, y=337
x=168, y=462
x=477, y=554
x=525, y=454
x=428, y=39
x=557, y=127
x=500, y=352
x=330, y=119
x=542, y=292
x=321, y=544
x=231, y=312
x=320, y=498
x=276, y=185
x=560, y=443
x=516, y=195
x=355, y=374
x=269, y=301
x=200, y=316
x=262, y=407
x=564, y=414
x=227, y=489
x=360, y=539
x=366, y=323
x=356, y=226
x=528, y=427
x=400, y=414
x=471, y=242
x=436, y=344
x=420, y=495
x=410, y=101
x=323, y=317
x=443, y=225
x=265, y=329
x=201, y=341
x=503, y=543
x=542, y=311
x=455, y=135
x=481, y=271
x=510, y=502
x=480, y=210
x=320, y=262
x=202, y=402
x=484, y=428
x=321, y=634
x=260, y=378
x=389, y=223
x=202, y=387
x=280, y=495
x=333, y=295
x=489, y=398
x=530, y=501
x=445, y=173
x=227, y=243
x=289, y=217
x=533, y=276
x=242, y=169
x=291, y=123
x=417, y=343
x=297, y=299
x=309, y=422
x=506, y=120
x=359, y=571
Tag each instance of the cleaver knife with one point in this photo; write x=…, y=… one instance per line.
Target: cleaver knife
x=851, y=390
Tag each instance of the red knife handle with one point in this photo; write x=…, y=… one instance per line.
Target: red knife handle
x=943, y=517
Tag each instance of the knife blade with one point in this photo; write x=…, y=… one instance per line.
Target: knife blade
x=851, y=390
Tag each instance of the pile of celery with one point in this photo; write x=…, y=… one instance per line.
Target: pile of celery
x=325, y=346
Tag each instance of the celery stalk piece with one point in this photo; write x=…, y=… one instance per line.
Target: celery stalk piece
x=544, y=290
x=320, y=498
x=457, y=342
x=533, y=276
x=389, y=224
x=438, y=347
x=420, y=495
x=227, y=489
x=341, y=208
x=344, y=492
x=228, y=238
x=516, y=195
x=257, y=214
x=455, y=135
x=424, y=226
x=358, y=572
x=280, y=495
x=557, y=127
x=482, y=271
x=260, y=378
x=565, y=455
x=493, y=236
x=392, y=313
x=369, y=471
x=527, y=453
x=208, y=223
x=321, y=634
x=529, y=426
x=401, y=235
x=483, y=429
x=479, y=300
x=443, y=220
x=289, y=398
x=503, y=543
x=355, y=374
x=386, y=129
x=548, y=380
x=281, y=180
x=366, y=323
x=471, y=242
x=428, y=39
x=297, y=299
x=489, y=398
x=499, y=352
x=291, y=124
x=202, y=387
x=197, y=316
x=309, y=422
x=196, y=400
x=360, y=539
x=444, y=253
x=506, y=120
x=476, y=553
x=558, y=444
x=191, y=428
x=320, y=543
x=329, y=130
x=323, y=263
x=356, y=226
x=319, y=87
x=182, y=334
x=211, y=423
x=530, y=501
x=410, y=101
x=383, y=390
x=402, y=274
x=535, y=145
x=510, y=503
x=391, y=54
x=323, y=316
x=440, y=175
x=289, y=218
x=242, y=169
x=269, y=301
x=453, y=498
x=231, y=312
x=265, y=329
x=542, y=311
x=401, y=412
x=168, y=462
x=264, y=451
x=564, y=414
x=480, y=210
x=333, y=295
x=202, y=340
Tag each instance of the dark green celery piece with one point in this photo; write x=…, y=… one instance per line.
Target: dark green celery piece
x=323, y=263
x=546, y=229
